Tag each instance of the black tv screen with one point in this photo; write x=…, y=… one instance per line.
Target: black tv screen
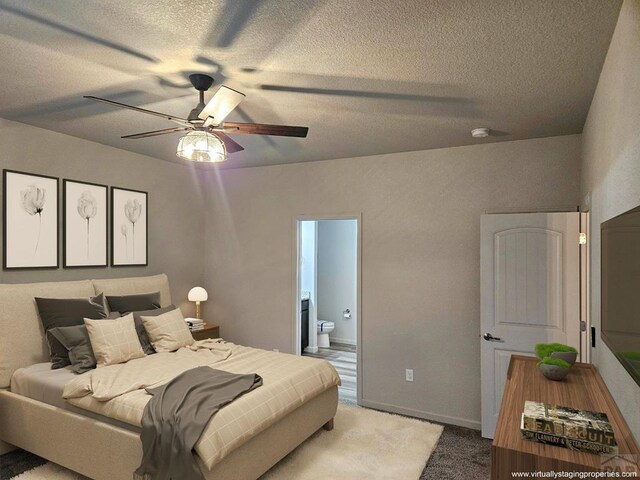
x=621, y=289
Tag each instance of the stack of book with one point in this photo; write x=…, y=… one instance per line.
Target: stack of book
x=580, y=430
x=195, y=324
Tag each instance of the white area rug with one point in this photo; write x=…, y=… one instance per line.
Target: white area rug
x=364, y=444
x=49, y=471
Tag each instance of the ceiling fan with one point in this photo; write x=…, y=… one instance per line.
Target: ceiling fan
x=207, y=139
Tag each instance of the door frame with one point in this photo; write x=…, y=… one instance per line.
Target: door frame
x=296, y=285
x=585, y=289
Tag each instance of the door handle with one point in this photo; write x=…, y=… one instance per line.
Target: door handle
x=490, y=338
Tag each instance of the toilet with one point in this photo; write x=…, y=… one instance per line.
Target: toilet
x=324, y=329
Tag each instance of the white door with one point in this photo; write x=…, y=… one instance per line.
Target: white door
x=529, y=293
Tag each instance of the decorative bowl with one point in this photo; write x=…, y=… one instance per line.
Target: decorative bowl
x=553, y=372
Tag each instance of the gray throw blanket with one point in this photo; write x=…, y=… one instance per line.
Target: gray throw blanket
x=174, y=419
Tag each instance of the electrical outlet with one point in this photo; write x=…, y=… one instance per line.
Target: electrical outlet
x=276, y=349
x=408, y=374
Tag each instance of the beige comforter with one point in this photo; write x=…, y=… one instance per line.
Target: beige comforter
x=117, y=391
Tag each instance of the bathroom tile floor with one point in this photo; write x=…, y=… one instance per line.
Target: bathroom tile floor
x=343, y=358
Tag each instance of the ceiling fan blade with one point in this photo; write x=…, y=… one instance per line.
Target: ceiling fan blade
x=263, y=129
x=229, y=143
x=221, y=104
x=171, y=118
x=155, y=133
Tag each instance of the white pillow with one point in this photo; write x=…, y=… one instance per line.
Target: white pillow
x=168, y=332
x=114, y=341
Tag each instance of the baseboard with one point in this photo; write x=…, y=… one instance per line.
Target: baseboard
x=311, y=349
x=461, y=422
x=342, y=340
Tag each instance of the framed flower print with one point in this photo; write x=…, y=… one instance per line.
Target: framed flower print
x=85, y=223
x=129, y=226
x=30, y=221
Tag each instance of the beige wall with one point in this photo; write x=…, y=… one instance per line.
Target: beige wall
x=611, y=177
x=176, y=231
x=420, y=256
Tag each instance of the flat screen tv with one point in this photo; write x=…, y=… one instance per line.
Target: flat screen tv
x=621, y=289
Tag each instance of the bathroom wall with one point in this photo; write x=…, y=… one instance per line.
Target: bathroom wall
x=176, y=230
x=309, y=275
x=337, y=273
x=308, y=272
x=611, y=179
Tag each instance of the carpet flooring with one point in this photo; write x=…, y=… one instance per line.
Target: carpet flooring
x=461, y=454
x=16, y=462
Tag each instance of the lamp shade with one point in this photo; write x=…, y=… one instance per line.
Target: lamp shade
x=198, y=294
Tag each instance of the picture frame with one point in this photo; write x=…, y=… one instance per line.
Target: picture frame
x=129, y=227
x=30, y=221
x=85, y=224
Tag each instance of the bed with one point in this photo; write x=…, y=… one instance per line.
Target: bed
x=102, y=442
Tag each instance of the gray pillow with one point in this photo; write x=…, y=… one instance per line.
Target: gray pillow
x=140, y=330
x=76, y=341
x=133, y=303
x=66, y=312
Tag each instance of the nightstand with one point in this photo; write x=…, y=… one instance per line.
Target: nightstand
x=210, y=330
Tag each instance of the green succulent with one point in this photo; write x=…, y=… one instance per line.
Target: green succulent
x=543, y=350
x=558, y=362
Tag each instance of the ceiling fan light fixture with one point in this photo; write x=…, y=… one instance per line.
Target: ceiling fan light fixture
x=201, y=146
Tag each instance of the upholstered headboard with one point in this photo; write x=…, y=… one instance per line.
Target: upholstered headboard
x=129, y=286
x=22, y=340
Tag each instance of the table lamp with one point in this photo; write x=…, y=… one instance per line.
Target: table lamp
x=198, y=294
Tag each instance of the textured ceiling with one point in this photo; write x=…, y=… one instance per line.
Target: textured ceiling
x=366, y=76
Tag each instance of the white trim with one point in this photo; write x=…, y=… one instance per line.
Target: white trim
x=297, y=294
x=297, y=282
x=342, y=340
x=585, y=289
x=461, y=422
x=295, y=258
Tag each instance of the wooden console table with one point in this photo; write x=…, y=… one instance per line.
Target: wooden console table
x=583, y=388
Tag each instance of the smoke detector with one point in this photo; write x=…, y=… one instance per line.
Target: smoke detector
x=480, y=132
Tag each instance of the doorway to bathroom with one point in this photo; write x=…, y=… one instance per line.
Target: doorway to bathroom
x=328, y=323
